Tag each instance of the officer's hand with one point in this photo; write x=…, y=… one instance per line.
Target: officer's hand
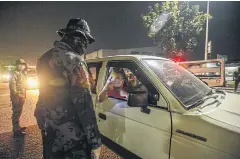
x=96, y=153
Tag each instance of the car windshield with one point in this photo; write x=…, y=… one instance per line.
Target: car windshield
x=182, y=83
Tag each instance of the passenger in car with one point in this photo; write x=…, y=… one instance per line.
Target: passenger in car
x=115, y=87
x=134, y=84
x=132, y=81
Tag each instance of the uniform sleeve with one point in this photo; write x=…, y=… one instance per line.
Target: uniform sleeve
x=12, y=83
x=40, y=111
x=81, y=96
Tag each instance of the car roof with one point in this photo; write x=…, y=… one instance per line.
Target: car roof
x=124, y=57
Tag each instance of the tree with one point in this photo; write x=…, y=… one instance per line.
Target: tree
x=175, y=25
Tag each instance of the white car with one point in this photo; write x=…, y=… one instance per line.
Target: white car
x=5, y=77
x=181, y=118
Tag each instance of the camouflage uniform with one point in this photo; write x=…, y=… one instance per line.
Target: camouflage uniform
x=236, y=76
x=64, y=110
x=17, y=87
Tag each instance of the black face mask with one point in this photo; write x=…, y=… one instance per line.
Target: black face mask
x=79, y=45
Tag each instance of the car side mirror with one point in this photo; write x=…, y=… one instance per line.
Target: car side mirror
x=139, y=99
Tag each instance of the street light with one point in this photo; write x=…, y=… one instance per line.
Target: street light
x=206, y=40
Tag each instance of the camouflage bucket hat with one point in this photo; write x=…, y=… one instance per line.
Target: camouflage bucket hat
x=20, y=61
x=77, y=27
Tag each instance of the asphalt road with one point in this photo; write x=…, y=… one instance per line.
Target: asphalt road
x=29, y=146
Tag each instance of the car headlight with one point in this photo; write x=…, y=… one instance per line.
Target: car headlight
x=6, y=76
x=32, y=82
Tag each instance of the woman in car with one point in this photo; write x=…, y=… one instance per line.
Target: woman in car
x=115, y=87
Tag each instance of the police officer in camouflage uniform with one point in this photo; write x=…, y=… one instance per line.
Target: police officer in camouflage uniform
x=17, y=87
x=64, y=111
x=236, y=76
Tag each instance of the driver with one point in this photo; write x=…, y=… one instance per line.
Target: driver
x=115, y=87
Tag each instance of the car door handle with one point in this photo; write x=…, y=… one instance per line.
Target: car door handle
x=102, y=116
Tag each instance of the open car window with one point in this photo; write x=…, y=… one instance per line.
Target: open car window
x=135, y=79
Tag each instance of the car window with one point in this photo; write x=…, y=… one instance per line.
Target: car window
x=94, y=69
x=186, y=87
x=134, y=79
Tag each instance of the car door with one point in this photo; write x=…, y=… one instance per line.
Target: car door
x=145, y=135
x=94, y=69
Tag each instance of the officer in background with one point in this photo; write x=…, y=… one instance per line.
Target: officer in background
x=236, y=76
x=17, y=87
x=64, y=111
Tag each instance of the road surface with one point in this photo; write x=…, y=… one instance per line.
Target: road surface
x=29, y=146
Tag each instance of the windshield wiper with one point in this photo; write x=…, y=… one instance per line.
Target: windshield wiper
x=215, y=101
x=213, y=91
x=219, y=91
x=210, y=92
x=201, y=101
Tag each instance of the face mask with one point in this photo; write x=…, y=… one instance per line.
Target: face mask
x=80, y=45
x=21, y=67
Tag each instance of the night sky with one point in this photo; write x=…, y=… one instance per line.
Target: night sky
x=28, y=29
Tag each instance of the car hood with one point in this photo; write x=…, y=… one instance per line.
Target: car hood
x=219, y=121
x=228, y=111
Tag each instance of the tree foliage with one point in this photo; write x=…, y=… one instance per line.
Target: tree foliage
x=175, y=25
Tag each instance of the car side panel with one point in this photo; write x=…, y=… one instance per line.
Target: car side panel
x=198, y=137
x=186, y=149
